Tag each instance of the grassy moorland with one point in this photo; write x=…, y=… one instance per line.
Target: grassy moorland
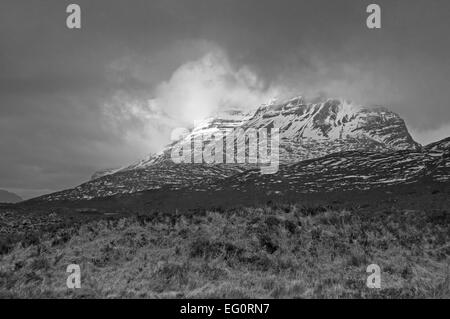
x=285, y=251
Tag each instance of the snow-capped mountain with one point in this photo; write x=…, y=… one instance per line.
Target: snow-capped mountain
x=307, y=131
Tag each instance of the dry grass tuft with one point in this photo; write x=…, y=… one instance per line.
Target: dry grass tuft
x=268, y=252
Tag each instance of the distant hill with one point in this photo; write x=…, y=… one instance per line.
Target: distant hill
x=7, y=197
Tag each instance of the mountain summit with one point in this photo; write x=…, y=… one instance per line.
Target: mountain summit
x=335, y=120
x=311, y=130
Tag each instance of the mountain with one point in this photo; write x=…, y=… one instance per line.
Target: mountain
x=407, y=178
x=7, y=197
x=349, y=170
x=308, y=131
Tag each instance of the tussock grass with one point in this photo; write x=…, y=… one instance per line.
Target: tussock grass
x=284, y=251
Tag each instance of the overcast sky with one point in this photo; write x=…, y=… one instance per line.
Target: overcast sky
x=75, y=101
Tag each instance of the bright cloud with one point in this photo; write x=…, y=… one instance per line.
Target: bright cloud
x=200, y=88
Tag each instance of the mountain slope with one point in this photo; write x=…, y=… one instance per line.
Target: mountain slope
x=350, y=170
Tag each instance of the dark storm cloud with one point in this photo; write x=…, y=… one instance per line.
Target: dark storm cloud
x=72, y=102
